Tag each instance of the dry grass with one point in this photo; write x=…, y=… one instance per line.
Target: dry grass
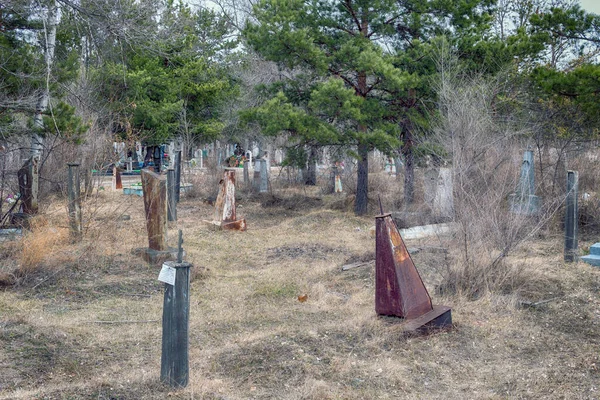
x=250, y=337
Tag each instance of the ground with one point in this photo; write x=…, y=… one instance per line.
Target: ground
x=85, y=321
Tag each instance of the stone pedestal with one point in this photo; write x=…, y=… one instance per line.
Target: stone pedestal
x=594, y=257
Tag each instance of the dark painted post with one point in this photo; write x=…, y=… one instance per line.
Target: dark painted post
x=571, y=220
x=74, y=202
x=174, y=363
x=177, y=175
x=171, y=198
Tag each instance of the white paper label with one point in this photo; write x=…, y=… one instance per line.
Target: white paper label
x=167, y=275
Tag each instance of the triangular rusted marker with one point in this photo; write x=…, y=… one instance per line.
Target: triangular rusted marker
x=399, y=290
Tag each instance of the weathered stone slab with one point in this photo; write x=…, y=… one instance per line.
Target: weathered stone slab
x=225, y=216
x=155, y=204
x=524, y=201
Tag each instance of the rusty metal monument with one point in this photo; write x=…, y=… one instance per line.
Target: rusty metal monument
x=225, y=214
x=399, y=290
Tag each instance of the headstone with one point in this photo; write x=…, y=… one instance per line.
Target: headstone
x=177, y=175
x=256, y=175
x=264, y=176
x=524, y=201
x=155, y=205
x=438, y=193
x=430, y=184
x=129, y=165
x=117, y=182
x=224, y=215
x=443, y=203
x=74, y=202
x=594, y=257
x=571, y=214
x=171, y=198
x=246, y=174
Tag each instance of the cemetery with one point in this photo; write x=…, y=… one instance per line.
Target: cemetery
x=268, y=199
x=299, y=301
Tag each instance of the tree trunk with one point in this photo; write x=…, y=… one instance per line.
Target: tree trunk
x=362, y=180
x=37, y=143
x=311, y=169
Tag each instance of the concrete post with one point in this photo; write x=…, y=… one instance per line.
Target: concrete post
x=264, y=177
x=571, y=214
x=171, y=198
x=177, y=175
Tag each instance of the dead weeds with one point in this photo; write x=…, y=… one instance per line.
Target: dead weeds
x=87, y=324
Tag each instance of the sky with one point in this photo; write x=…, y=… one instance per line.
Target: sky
x=591, y=5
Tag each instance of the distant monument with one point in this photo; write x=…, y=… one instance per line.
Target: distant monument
x=225, y=216
x=439, y=194
x=524, y=201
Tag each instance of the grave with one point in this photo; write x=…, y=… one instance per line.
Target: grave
x=399, y=290
x=117, y=182
x=439, y=194
x=264, y=176
x=524, y=201
x=155, y=205
x=571, y=217
x=594, y=257
x=225, y=213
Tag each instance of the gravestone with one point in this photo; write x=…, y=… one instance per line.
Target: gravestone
x=594, y=257
x=177, y=175
x=155, y=205
x=225, y=216
x=74, y=202
x=171, y=198
x=571, y=214
x=256, y=175
x=246, y=174
x=524, y=201
x=439, y=194
x=117, y=182
x=264, y=176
